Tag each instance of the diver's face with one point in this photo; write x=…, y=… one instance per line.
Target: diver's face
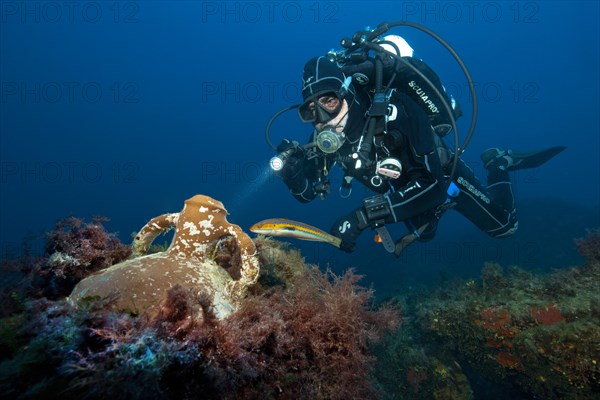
x=338, y=122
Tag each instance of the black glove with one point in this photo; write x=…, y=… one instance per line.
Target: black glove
x=375, y=213
x=287, y=144
x=292, y=156
x=348, y=228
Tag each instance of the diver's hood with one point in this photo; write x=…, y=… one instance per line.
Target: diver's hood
x=357, y=117
x=321, y=75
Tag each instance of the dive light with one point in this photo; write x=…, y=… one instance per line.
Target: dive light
x=277, y=162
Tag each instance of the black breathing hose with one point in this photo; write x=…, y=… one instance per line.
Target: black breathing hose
x=268, y=128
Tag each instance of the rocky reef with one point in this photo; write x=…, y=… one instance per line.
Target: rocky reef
x=293, y=331
x=512, y=333
x=220, y=315
x=72, y=251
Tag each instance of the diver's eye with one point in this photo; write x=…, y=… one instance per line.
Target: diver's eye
x=330, y=103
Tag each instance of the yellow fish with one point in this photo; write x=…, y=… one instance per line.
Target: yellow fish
x=294, y=229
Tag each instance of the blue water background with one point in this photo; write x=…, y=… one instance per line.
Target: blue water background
x=126, y=109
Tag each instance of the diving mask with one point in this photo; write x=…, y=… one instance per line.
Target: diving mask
x=321, y=108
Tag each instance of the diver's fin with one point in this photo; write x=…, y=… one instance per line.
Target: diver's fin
x=511, y=161
x=533, y=160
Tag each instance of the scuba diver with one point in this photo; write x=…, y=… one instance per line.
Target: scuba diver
x=382, y=119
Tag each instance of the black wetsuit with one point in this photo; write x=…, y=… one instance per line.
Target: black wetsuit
x=416, y=195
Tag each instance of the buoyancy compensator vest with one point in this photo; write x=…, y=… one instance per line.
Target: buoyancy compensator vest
x=400, y=76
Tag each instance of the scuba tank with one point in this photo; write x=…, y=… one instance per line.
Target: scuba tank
x=401, y=77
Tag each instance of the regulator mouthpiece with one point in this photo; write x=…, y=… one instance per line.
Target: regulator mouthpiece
x=329, y=141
